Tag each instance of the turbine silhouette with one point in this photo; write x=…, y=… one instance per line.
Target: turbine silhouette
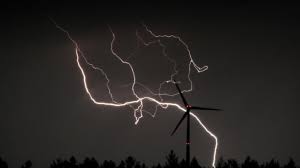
x=187, y=115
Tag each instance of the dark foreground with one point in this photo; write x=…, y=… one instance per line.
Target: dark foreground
x=172, y=161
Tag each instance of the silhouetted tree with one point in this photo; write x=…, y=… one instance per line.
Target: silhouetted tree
x=108, y=164
x=137, y=165
x=172, y=160
x=144, y=166
x=250, y=163
x=157, y=166
x=56, y=163
x=182, y=164
x=89, y=163
x=221, y=163
x=290, y=164
x=194, y=163
x=122, y=164
x=272, y=164
x=27, y=164
x=73, y=162
x=130, y=162
x=232, y=163
x=3, y=164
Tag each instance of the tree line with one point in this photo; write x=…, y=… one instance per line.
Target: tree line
x=172, y=161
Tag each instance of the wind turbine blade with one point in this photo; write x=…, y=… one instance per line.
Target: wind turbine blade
x=180, y=121
x=181, y=95
x=204, y=108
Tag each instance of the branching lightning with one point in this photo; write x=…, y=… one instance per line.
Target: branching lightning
x=139, y=100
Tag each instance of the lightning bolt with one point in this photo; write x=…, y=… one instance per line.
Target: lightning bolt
x=139, y=100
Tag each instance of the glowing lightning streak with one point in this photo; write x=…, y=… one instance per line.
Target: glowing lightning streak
x=204, y=68
x=138, y=100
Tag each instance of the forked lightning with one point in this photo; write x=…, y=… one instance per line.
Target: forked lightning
x=138, y=101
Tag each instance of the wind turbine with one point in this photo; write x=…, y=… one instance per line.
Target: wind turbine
x=187, y=115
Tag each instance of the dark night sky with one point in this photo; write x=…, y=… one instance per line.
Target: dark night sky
x=252, y=51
